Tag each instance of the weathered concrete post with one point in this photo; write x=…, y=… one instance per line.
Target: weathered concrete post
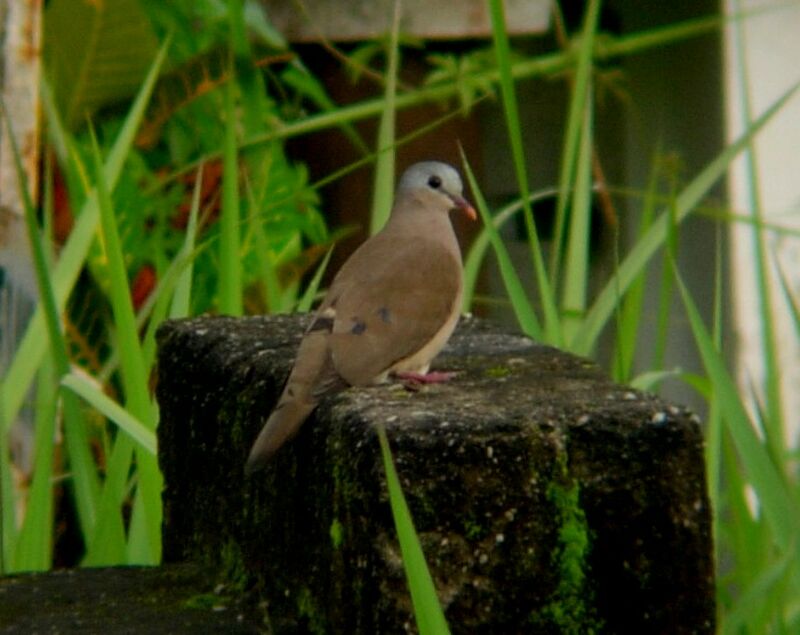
x=547, y=499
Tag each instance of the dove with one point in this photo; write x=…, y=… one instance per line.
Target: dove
x=389, y=310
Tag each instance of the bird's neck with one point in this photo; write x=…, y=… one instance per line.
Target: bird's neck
x=424, y=225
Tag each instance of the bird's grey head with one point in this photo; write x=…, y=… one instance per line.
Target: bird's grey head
x=434, y=181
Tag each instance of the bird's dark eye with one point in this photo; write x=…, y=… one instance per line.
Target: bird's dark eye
x=435, y=182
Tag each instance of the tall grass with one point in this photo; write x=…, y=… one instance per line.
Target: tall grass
x=108, y=411
x=746, y=454
x=33, y=350
x=430, y=618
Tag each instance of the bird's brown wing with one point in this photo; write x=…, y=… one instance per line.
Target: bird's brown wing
x=390, y=304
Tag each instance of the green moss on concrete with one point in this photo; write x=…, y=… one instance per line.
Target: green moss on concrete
x=207, y=601
x=345, y=591
x=308, y=609
x=423, y=508
x=345, y=488
x=337, y=533
x=474, y=530
x=232, y=566
x=571, y=607
x=497, y=372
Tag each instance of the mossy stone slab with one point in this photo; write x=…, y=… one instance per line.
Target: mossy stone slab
x=547, y=498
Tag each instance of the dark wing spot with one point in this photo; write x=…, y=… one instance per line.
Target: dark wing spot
x=322, y=323
x=386, y=316
x=358, y=327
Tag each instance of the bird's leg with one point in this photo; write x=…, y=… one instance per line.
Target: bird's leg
x=414, y=381
x=431, y=377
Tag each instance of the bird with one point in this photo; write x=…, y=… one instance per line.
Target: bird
x=389, y=310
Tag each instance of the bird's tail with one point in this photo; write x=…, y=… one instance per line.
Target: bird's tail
x=311, y=377
x=282, y=425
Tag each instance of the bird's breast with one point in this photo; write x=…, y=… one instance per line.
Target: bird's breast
x=420, y=361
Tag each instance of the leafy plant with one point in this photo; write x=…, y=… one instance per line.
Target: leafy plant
x=98, y=54
x=121, y=282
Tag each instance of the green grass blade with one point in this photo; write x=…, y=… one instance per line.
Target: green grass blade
x=749, y=603
x=772, y=381
x=477, y=252
x=134, y=372
x=576, y=278
x=9, y=528
x=383, y=191
x=427, y=610
x=503, y=54
x=303, y=81
x=57, y=134
x=650, y=380
x=33, y=345
x=777, y=503
x=574, y=141
x=144, y=535
x=181, y=299
x=158, y=313
x=44, y=283
x=648, y=244
x=307, y=299
x=268, y=264
x=105, y=545
x=150, y=314
x=249, y=79
x=482, y=242
x=34, y=548
x=138, y=549
x=35, y=542
x=81, y=461
x=743, y=530
x=791, y=301
x=523, y=309
x=714, y=423
x=132, y=363
x=125, y=421
x=84, y=476
x=630, y=311
x=230, y=266
x=665, y=287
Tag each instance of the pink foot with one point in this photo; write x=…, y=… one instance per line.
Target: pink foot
x=413, y=381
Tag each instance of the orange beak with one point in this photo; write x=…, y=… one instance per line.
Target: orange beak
x=464, y=206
